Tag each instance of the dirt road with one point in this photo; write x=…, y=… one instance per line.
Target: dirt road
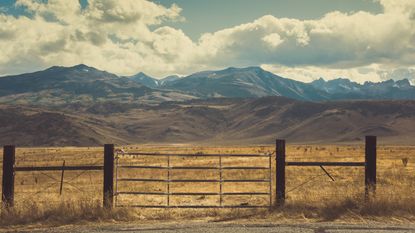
x=231, y=227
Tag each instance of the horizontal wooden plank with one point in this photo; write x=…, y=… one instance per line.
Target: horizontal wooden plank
x=338, y=164
x=59, y=168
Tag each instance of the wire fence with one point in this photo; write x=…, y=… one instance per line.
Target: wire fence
x=396, y=168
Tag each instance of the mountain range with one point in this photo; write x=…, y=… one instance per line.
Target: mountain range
x=84, y=84
x=256, y=82
x=84, y=106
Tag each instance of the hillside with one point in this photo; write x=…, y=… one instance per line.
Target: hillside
x=217, y=121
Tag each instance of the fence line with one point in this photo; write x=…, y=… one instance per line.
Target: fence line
x=369, y=166
x=111, y=165
x=9, y=170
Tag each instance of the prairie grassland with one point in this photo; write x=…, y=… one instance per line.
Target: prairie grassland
x=311, y=194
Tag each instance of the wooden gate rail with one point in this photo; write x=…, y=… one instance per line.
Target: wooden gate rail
x=369, y=165
x=168, y=180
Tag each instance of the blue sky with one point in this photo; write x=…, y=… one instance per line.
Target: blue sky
x=364, y=40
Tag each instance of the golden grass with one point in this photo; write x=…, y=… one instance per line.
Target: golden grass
x=65, y=212
x=311, y=195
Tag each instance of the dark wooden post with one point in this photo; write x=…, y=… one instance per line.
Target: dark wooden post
x=8, y=176
x=63, y=172
x=280, y=174
x=370, y=165
x=108, y=175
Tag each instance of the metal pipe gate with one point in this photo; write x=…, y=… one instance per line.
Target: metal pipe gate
x=168, y=180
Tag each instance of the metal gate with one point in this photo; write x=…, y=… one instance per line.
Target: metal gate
x=166, y=165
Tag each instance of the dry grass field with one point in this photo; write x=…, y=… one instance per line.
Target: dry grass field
x=311, y=194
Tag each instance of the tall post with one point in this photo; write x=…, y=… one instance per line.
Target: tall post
x=280, y=174
x=8, y=176
x=108, y=175
x=370, y=165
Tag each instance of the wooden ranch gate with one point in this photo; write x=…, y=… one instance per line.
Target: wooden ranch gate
x=217, y=168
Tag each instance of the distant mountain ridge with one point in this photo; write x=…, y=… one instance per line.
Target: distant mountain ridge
x=344, y=89
x=247, y=82
x=67, y=85
x=83, y=84
x=145, y=80
x=251, y=82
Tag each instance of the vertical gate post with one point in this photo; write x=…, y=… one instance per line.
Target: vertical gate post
x=370, y=165
x=280, y=174
x=8, y=176
x=108, y=175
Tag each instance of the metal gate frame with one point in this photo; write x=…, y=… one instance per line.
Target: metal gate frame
x=220, y=181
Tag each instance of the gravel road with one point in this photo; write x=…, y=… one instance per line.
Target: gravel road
x=230, y=227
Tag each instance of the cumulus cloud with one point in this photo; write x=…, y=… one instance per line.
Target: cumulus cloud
x=108, y=34
x=273, y=40
x=128, y=36
x=336, y=40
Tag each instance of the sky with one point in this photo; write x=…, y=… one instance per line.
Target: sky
x=363, y=40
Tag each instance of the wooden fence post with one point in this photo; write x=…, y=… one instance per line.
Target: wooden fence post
x=280, y=174
x=63, y=172
x=8, y=176
x=108, y=175
x=370, y=165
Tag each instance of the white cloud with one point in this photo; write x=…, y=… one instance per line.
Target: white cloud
x=127, y=36
x=373, y=72
x=273, y=39
x=108, y=34
x=338, y=39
